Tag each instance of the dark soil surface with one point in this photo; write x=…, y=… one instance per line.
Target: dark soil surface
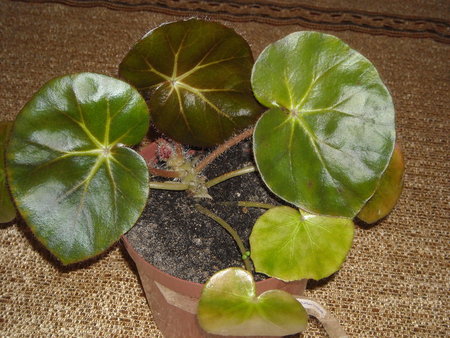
x=172, y=235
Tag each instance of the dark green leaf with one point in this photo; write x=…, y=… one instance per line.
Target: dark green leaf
x=330, y=132
x=74, y=182
x=229, y=306
x=292, y=245
x=7, y=209
x=196, y=76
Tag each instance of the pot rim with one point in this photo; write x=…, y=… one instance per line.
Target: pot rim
x=175, y=282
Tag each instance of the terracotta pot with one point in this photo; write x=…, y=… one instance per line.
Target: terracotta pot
x=174, y=301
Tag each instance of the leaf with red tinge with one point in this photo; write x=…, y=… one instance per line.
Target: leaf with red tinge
x=387, y=193
x=7, y=209
x=195, y=75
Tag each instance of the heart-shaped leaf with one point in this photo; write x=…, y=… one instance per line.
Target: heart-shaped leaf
x=330, y=132
x=229, y=306
x=292, y=245
x=75, y=184
x=7, y=209
x=196, y=76
x=387, y=193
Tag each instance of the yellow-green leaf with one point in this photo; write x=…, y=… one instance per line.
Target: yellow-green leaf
x=292, y=245
x=229, y=306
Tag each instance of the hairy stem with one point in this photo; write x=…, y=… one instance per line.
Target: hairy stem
x=231, y=174
x=164, y=173
x=231, y=231
x=168, y=185
x=178, y=149
x=222, y=148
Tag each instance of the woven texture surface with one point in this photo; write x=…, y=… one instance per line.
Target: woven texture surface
x=395, y=281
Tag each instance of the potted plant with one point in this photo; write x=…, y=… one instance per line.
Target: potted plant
x=322, y=143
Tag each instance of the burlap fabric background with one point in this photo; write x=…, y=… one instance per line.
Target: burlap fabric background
x=395, y=281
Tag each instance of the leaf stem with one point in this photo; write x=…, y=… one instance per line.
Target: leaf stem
x=231, y=174
x=163, y=173
x=326, y=318
x=247, y=204
x=168, y=185
x=231, y=231
x=222, y=148
x=178, y=149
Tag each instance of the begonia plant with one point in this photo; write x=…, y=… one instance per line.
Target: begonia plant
x=322, y=125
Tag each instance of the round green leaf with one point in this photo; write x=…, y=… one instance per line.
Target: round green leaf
x=7, y=209
x=387, y=193
x=229, y=306
x=74, y=182
x=196, y=76
x=330, y=132
x=292, y=245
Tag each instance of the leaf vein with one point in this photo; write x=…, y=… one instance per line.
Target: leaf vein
x=183, y=113
x=195, y=91
x=128, y=170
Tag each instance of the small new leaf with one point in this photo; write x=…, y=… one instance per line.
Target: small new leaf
x=229, y=306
